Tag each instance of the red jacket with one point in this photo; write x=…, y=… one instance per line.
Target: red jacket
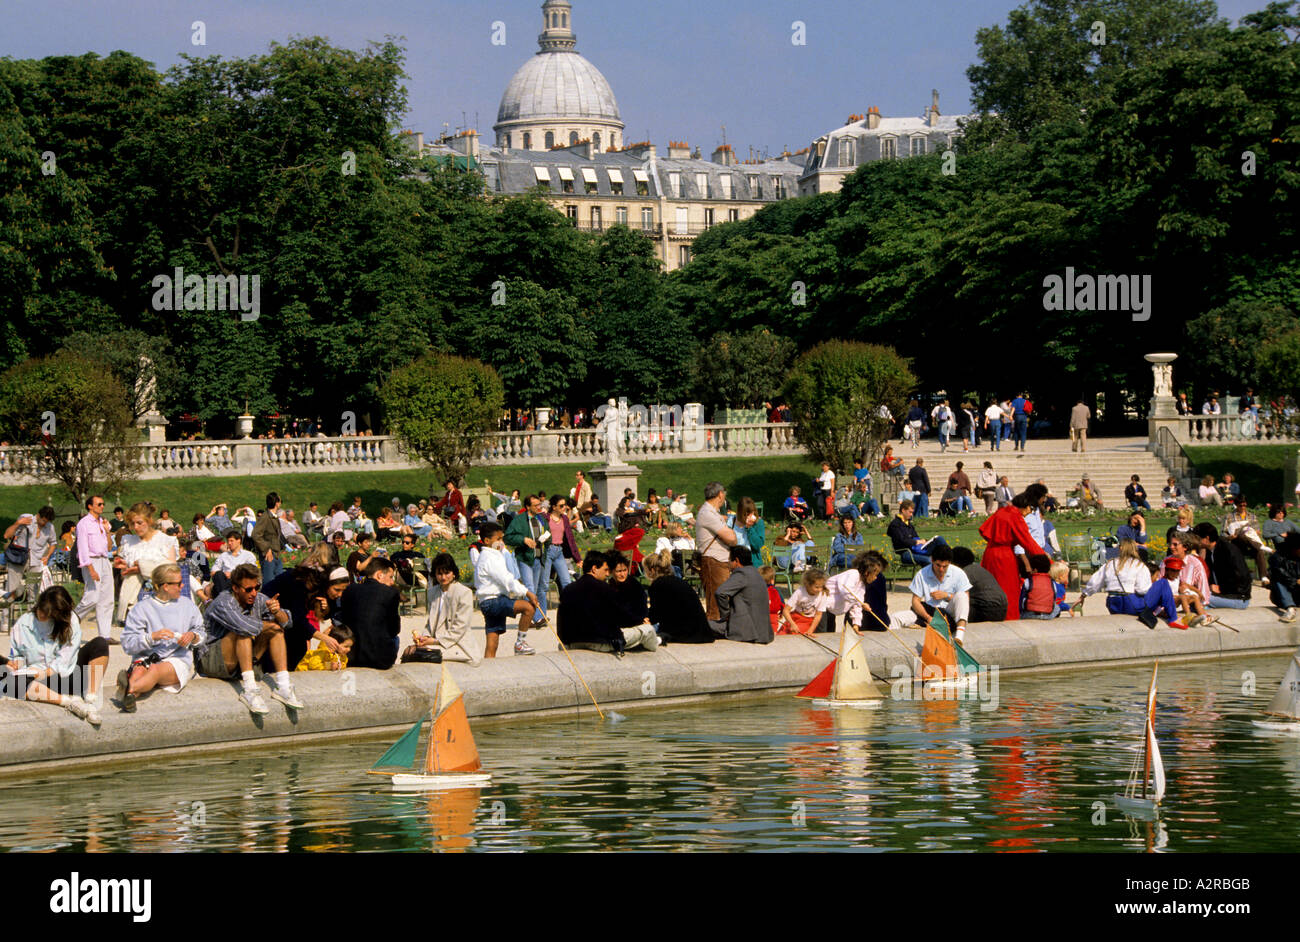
x=453, y=500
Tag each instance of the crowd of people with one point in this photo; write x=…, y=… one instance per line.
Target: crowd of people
x=215, y=599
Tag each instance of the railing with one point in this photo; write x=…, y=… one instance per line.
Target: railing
x=1214, y=429
x=230, y=458
x=1171, y=453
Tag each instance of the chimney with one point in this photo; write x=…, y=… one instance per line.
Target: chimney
x=679, y=150
x=724, y=155
x=934, y=107
x=873, y=118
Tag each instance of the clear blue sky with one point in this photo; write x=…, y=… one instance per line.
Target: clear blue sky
x=680, y=68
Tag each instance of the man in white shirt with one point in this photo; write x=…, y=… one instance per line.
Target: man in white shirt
x=993, y=422
x=941, y=586
x=234, y=556
x=292, y=533
x=500, y=594
x=826, y=481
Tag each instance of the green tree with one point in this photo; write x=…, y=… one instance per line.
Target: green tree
x=1279, y=365
x=1227, y=343
x=74, y=412
x=443, y=408
x=835, y=391
x=741, y=370
x=136, y=360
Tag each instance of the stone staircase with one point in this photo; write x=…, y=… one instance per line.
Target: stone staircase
x=1109, y=462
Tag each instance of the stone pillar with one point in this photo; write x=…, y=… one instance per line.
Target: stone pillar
x=608, y=482
x=546, y=444
x=1164, y=409
x=248, y=456
x=692, y=434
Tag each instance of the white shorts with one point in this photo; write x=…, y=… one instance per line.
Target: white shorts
x=183, y=673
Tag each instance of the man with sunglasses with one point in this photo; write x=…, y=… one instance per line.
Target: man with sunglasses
x=411, y=564
x=243, y=625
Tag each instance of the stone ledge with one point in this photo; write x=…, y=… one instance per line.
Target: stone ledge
x=207, y=713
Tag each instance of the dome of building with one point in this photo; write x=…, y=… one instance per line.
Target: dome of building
x=557, y=97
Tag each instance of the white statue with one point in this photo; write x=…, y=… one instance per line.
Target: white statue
x=1164, y=373
x=613, y=433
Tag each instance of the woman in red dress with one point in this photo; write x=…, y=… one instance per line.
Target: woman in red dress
x=1006, y=529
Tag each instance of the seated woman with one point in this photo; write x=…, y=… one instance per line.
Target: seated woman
x=846, y=544
x=750, y=528
x=681, y=510
x=1277, y=526
x=47, y=662
x=311, y=597
x=796, y=508
x=475, y=513
x=142, y=550
x=891, y=465
x=591, y=617
x=1242, y=528
x=166, y=524
x=626, y=516
x=162, y=630
x=1125, y=579
x=1172, y=494
x=1136, y=494
x=796, y=537
x=387, y=526
x=598, y=517
x=451, y=609
x=628, y=588
x=1208, y=493
x=1135, y=530
x=674, y=606
x=655, y=514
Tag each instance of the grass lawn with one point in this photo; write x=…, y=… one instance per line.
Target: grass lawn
x=765, y=479
x=1258, y=468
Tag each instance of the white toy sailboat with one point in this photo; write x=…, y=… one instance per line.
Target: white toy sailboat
x=846, y=681
x=1137, y=799
x=1286, y=703
x=450, y=759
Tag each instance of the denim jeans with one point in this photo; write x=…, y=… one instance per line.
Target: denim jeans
x=531, y=576
x=554, y=562
x=271, y=568
x=604, y=521
x=1218, y=601
x=1136, y=504
x=943, y=435
x=1283, y=595
x=995, y=435
x=1022, y=431
x=922, y=502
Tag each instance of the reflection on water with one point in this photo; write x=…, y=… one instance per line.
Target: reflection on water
x=757, y=775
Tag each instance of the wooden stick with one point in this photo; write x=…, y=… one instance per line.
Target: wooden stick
x=575, y=668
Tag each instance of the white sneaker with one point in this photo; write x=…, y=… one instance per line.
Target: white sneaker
x=650, y=639
x=1289, y=616
x=77, y=707
x=288, y=697
x=253, y=700
x=92, y=714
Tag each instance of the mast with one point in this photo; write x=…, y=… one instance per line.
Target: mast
x=1149, y=731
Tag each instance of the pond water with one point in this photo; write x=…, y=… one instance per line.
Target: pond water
x=769, y=774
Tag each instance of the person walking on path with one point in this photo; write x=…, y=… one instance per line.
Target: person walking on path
x=993, y=422
x=1079, y=417
x=96, y=570
x=1005, y=530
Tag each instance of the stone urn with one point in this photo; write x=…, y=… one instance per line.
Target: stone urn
x=244, y=426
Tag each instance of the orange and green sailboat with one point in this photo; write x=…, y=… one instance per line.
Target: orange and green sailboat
x=943, y=662
x=450, y=757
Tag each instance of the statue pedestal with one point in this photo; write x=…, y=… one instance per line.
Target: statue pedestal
x=609, y=481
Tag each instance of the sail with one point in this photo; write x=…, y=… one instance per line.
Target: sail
x=852, y=675
x=820, y=688
x=938, y=658
x=451, y=744
x=1287, y=700
x=1157, y=764
x=401, y=755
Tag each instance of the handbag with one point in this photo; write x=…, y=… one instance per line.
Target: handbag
x=16, y=556
x=423, y=656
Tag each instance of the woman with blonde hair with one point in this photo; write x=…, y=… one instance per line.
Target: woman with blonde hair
x=142, y=551
x=1125, y=580
x=674, y=606
x=1183, y=526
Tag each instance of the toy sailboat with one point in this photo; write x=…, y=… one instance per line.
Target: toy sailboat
x=1137, y=800
x=450, y=759
x=1286, y=703
x=846, y=681
x=944, y=663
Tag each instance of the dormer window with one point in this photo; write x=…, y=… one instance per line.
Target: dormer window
x=848, y=152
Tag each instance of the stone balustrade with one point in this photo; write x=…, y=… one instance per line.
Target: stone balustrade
x=235, y=457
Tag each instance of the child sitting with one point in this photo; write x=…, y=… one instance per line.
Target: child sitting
x=796, y=537
x=809, y=602
x=777, y=610
x=1038, y=597
x=323, y=659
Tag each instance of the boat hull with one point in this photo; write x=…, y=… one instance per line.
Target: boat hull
x=824, y=702
x=1145, y=808
x=1278, y=727
x=950, y=683
x=409, y=781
